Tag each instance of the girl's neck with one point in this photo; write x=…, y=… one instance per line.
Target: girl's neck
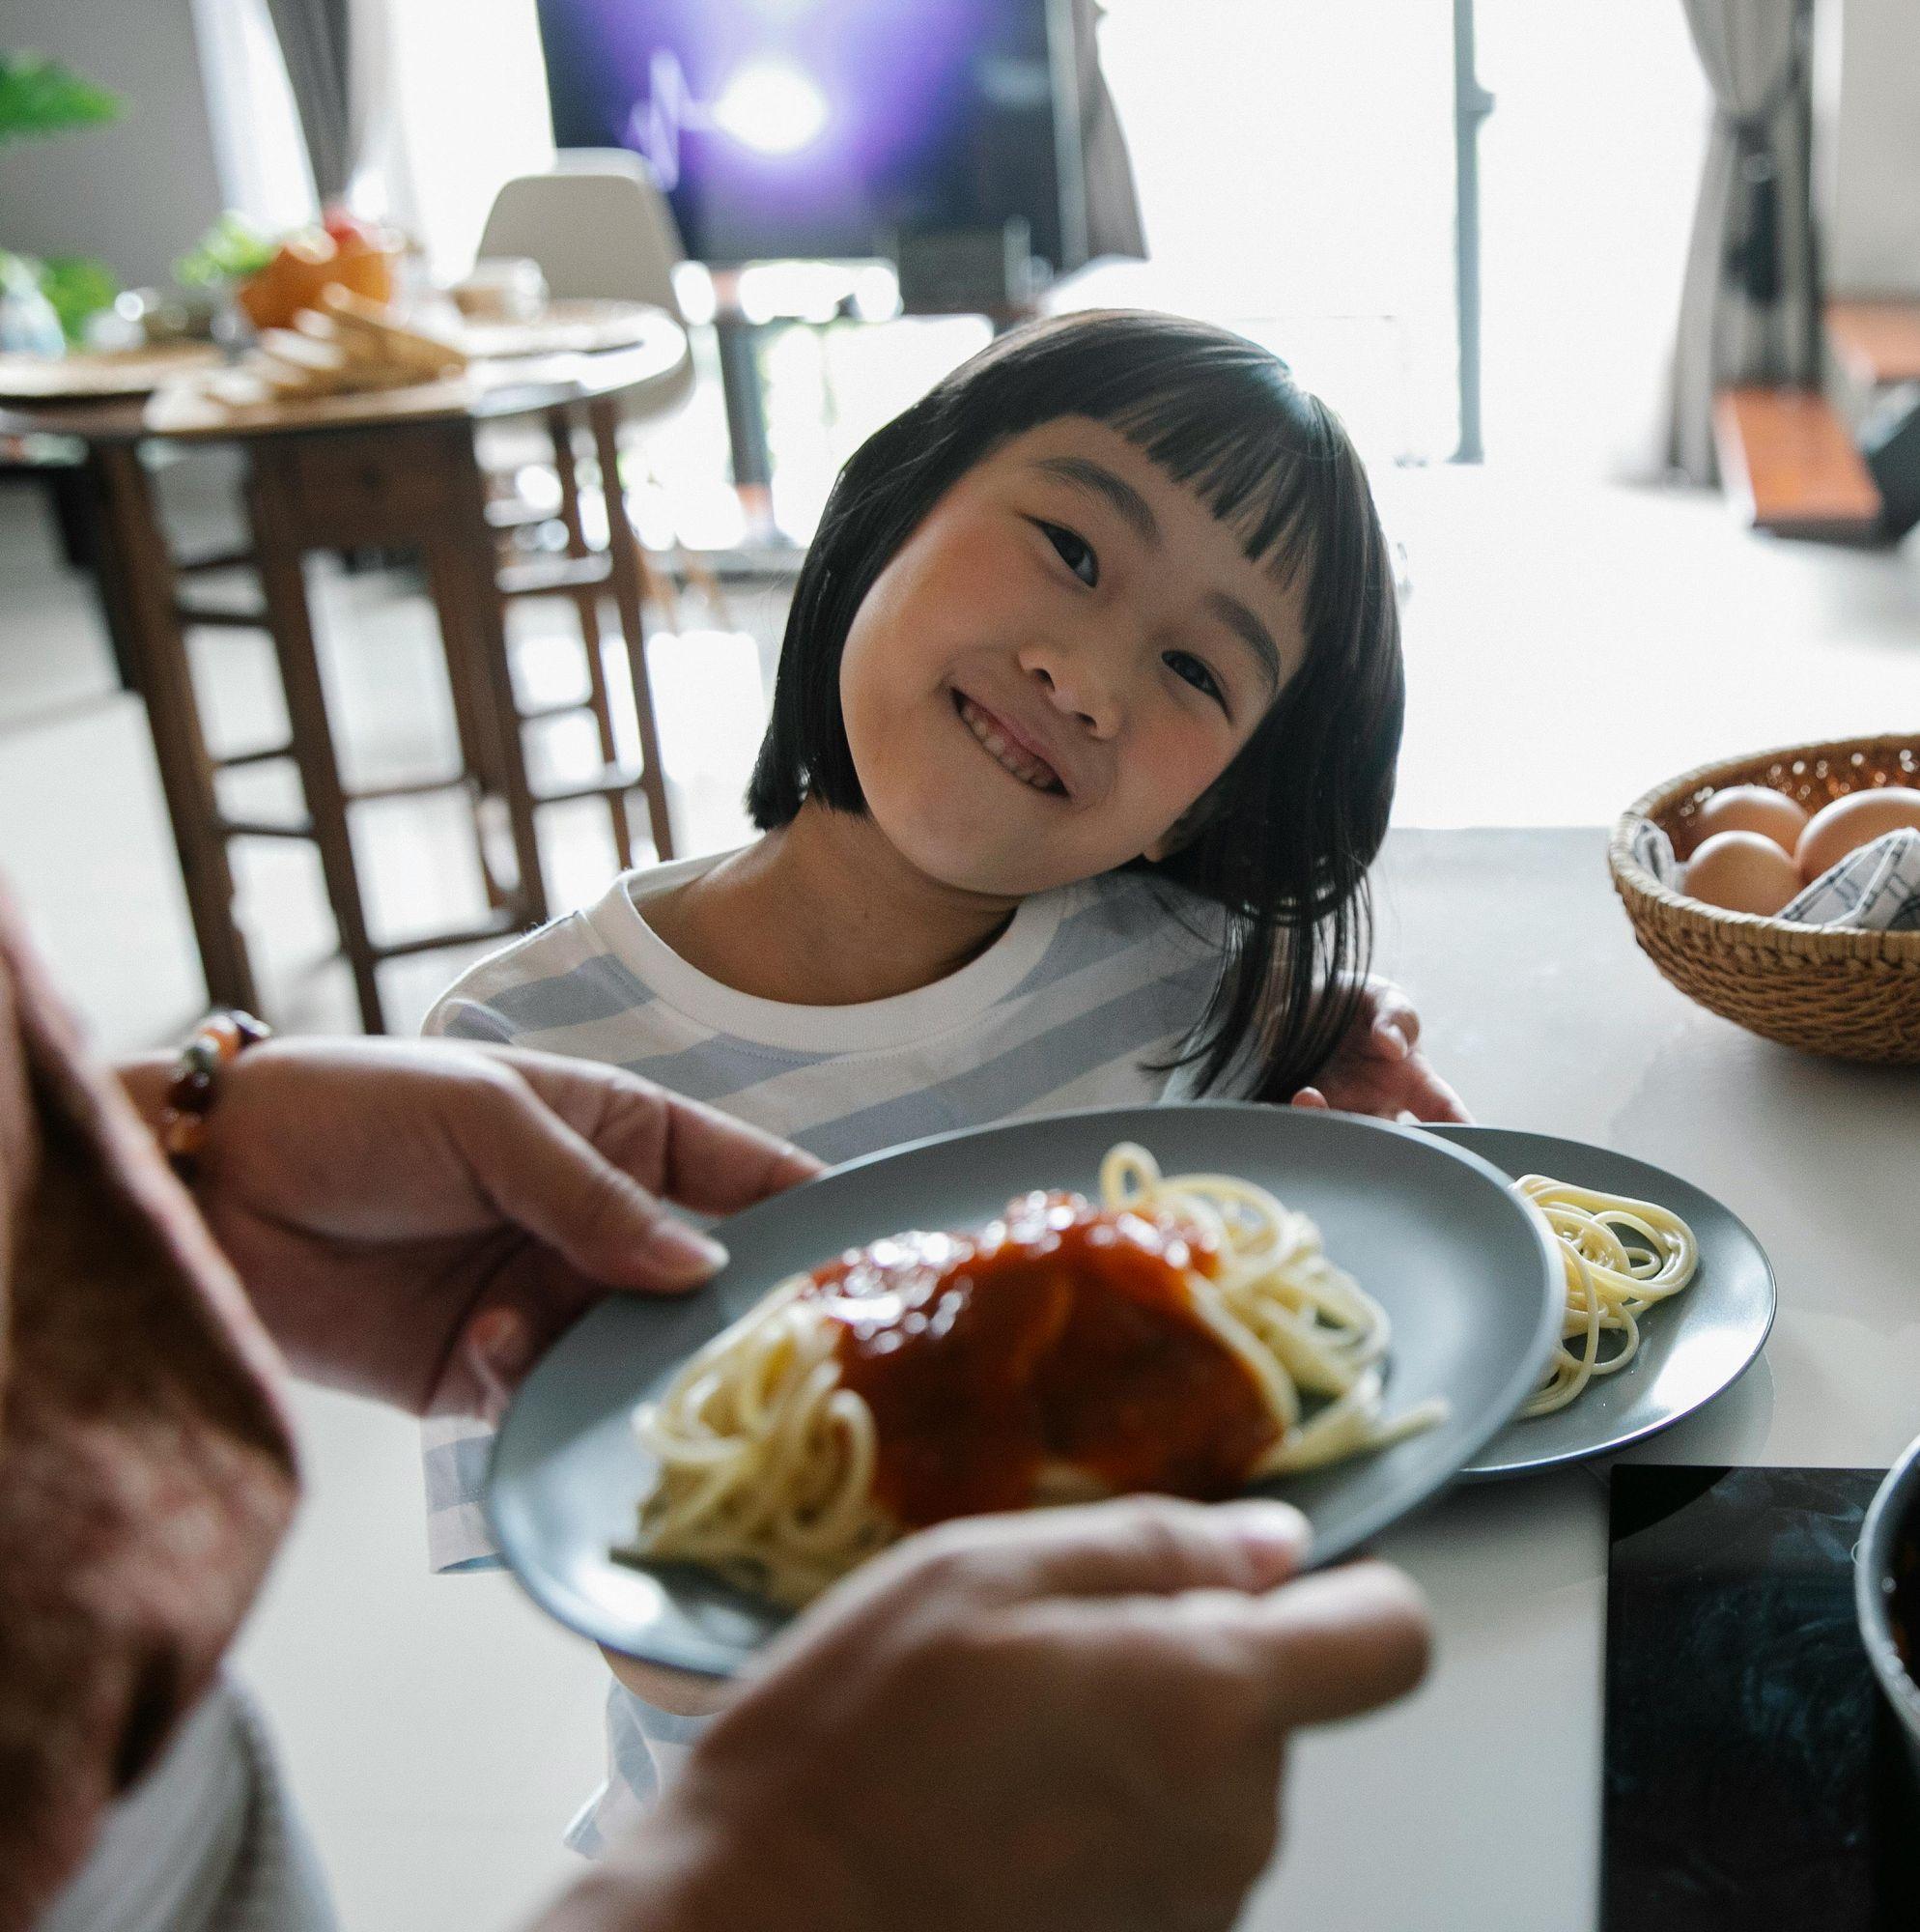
x=824, y=911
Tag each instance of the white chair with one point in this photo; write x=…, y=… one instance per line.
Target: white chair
x=598, y=229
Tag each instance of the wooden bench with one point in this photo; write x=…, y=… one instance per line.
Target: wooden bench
x=1787, y=461
x=1876, y=343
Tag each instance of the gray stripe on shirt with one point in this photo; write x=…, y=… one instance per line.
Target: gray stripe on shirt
x=712, y=1069
x=1107, y=928
x=1002, y=1087
x=596, y=989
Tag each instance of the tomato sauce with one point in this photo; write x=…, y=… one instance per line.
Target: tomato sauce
x=1063, y=1332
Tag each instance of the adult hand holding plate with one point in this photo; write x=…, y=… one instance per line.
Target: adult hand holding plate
x=1063, y=1720
x=417, y=1220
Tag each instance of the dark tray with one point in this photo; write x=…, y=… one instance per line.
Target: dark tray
x=1754, y=1775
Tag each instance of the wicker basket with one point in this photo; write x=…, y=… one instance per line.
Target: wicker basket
x=1852, y=995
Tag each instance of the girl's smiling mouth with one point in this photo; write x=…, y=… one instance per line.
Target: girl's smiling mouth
x=994, y=737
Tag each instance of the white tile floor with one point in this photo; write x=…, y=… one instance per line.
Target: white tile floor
x=1568, y=646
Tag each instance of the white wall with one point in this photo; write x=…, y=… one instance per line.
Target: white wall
x=257, y=139
x=137, y=194
x=1868, y=135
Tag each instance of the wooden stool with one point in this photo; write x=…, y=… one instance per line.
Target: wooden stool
x=585, y=576
x=419, y=487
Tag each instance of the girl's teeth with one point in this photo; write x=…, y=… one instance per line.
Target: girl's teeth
x=1015, y=761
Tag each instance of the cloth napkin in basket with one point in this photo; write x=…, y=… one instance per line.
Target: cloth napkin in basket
x=1874, y=888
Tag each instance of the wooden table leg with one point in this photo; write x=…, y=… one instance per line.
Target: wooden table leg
x=279, y=557
x=560, y=426
x=458, y=561
x=474, y=729
x=138, y=579
x=624, y=559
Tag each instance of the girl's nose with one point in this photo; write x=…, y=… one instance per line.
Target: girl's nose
x=1074, y=685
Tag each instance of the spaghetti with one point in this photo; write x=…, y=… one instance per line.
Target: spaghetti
x=1189, y=1335
x=1620, y=1257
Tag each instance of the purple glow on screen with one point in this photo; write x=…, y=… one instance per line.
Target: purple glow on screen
x=813, y=119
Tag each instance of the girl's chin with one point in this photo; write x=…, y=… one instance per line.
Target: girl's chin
x=1006, y=847
x=987, y=870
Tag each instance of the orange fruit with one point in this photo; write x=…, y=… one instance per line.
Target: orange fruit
x=310, y=261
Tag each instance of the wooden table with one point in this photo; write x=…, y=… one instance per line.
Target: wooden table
x=382, y=474
x=1476, y=1806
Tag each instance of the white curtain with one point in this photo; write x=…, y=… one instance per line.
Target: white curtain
x=1750, y=305
x=267, y=99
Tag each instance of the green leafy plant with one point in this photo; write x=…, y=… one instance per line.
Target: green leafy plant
x=79, y=287
x=39, y=98
x=229, y=251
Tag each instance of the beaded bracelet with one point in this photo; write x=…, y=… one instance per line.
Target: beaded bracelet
x=220, y=1040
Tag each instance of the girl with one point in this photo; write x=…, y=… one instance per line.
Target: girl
x=1081, y=744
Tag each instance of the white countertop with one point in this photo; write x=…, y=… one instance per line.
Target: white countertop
x=1475, y=1807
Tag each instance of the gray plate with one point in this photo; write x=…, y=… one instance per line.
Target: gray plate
x=1698, y=1345
x=1469, y=1277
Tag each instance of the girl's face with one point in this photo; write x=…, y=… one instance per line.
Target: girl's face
x=1057, y=664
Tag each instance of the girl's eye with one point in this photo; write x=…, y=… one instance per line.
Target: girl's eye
x=1191, y=671
x=1075, y=553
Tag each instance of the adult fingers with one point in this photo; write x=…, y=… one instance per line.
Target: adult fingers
x=1337, y=1643
x=717, y=1165
x=552, y=1182
x=1310, y=1097
x=1135, y=1545
x=499, y=1347
x=690, y=1154
x=1308, y=1652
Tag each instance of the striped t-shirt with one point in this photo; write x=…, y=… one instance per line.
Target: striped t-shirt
x=1076, y=1004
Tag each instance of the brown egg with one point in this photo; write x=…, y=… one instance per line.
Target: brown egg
x=1836, y=829
x=1750, y=808
x=1741, y=871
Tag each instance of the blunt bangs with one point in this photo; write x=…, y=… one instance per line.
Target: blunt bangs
x=1245, y=442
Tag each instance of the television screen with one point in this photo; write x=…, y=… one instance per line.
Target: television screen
x=828, y=128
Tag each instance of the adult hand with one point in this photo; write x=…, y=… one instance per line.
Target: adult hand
x=1378, y=1068
x=419, y=1220
x=1069, y=1720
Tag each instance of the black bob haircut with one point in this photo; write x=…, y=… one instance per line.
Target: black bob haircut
x=1283, y=839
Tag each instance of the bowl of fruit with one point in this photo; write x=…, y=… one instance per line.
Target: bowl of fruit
x=275, y=278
